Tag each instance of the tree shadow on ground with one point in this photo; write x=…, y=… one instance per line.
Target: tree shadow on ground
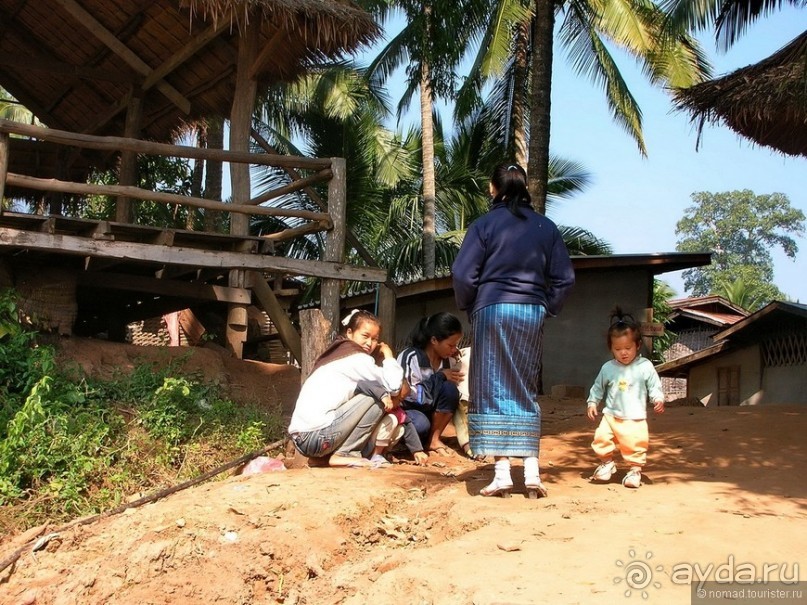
x=756, y=452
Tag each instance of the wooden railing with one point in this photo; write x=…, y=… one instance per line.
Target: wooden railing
x=330, y=218
x=318, y=221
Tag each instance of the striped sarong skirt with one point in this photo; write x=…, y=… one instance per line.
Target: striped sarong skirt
x=504, y=417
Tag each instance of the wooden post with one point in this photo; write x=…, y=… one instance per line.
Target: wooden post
x=335, y=239
x=240, y=125
x=4, y=150
x=56, y=198
x=236, y=317
x=127, y=175
x=386, y=313
x=647, y=317
x=316, y=337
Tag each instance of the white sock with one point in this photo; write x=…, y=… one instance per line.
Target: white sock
x=531, y=472
x=502, y=472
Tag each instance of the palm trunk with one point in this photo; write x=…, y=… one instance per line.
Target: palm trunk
x=213, y=172
x=197, y=177
x=427, y=132
x=520, y=92
x=541, y=86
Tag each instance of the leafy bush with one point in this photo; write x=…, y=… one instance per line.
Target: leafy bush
x=72, y=446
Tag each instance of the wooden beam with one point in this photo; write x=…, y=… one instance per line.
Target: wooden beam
x=165, y=287
x=288, y=333
x=112, y=42
x=48, y=225
x=103, y=230
x=127, y=173
x=180, y=255
x=386, y=313
x=243, y=107
x=296, y=185
x=117, y=144
x=4, y=143
x=244, y=96
x=31, y=182
x=164, y=238
x=266, y=53
x=297, y=231
x=69, y=70
x=197, y=43
x=351, y=238
x=317, y=335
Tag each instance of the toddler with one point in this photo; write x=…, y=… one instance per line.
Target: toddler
x=625, y=384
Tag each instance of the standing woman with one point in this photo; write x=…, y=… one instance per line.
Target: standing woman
x=512, y=269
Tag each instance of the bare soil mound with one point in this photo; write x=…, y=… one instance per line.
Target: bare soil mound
x=725, y=487
x=243, y=381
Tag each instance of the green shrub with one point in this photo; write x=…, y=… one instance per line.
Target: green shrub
x=74, y=446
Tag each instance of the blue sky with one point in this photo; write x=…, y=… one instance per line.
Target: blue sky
x=635, y=202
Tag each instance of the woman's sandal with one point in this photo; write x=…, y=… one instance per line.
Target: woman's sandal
x=536, y=490
x=496, y=489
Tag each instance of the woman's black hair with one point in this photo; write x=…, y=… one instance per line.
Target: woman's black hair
x=621, y=324
x=355, y=318
x=440, y=326
x=510, y=182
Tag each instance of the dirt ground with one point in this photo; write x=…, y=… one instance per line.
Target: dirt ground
x=725, y=495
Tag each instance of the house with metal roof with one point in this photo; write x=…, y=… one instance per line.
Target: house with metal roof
x=693, y=322
x=760, y=359
x=574, y=341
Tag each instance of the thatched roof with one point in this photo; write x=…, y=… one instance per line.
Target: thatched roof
x=75, y=63
x=765, y=102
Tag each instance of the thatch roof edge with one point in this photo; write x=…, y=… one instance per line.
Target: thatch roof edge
x=765, y=102
x=337, y=21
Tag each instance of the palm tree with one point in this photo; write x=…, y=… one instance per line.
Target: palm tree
x=521, y=36
x=730, y=17
x=431, y=44
x=662, y=294
x=741, y=293
x=12, y=109
x=503, y=58
x=464, y=165
x=337, y=110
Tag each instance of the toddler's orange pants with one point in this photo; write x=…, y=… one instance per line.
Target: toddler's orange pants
x=630, y=436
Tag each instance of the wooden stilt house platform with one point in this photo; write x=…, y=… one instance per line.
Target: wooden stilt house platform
x=114, y=81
